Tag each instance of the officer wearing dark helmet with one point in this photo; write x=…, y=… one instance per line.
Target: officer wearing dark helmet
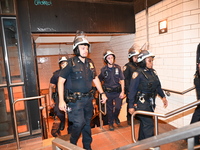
x=113, y=85
x=128, y=70
x=53, y=95
x=79, y=73
x=144, y=87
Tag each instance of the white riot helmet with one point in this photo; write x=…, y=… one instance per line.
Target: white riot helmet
x=132, y=52
x=62, y=59
x=108, y=52
x=144, y=54
x=79, y=40
x=105, y=55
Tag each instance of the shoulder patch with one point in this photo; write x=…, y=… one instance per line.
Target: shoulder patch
x=91, y=65
x=134, y=75
x=124, y=68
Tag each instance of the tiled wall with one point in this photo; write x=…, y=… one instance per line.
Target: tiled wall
x=175, y=51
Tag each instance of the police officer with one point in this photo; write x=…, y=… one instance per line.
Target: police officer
x=53, y=94
x=128, y=70
x=113, y=84
x=80, y=73
x=144, y=87
x=196, y=114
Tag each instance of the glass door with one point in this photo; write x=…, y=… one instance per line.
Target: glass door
x=11, y=82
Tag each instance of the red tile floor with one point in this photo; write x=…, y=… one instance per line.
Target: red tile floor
x=103, y=139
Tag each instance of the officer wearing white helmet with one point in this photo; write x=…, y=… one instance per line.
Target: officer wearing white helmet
x=128, y=70
x=79, y=73
x=113, y=84
x=53, y=96
x=144, y=87
x=80, y=40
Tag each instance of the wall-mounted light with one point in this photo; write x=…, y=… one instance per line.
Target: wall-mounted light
x=162, y=26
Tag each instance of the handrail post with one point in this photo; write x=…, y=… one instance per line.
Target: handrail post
x=16, y=129
x=132, y=128
x=101, y=112
x=15, y=119
x=156, y=124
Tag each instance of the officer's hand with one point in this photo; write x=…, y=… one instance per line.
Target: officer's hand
x=122, y=95
x=165, y=102
x=131, y=110
x=104, y=98
x=62, y=106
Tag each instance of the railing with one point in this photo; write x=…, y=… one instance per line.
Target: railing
x=14, y=115
x=159, y=115
x=58, y=144
x=101, y=112
x=186, y=132
x=177, y=92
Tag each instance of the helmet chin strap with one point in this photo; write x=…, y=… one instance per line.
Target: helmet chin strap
x=110, y=63
x=82, y=56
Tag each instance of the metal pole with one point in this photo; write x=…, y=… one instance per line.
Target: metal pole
x=147, y=25
x=156, y=124
x=14, y=116
x=16, y=129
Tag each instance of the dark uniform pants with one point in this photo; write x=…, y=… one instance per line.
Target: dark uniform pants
x=113, y=104
x=196, y=118
x=80, y=116
x=146, y=129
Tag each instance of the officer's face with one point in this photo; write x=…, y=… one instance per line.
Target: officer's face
x=110, y=59
x=63, y=64
x=149, y=62
x=135, y=58
x=83, y=50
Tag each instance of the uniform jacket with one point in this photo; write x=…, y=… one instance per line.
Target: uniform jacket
x=79, y=75
x=111, y=76
x=145, y=81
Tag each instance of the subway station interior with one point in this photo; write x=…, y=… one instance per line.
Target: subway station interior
x=35, y=34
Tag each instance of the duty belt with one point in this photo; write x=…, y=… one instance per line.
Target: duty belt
x=73, y=97
x=109, y=90
x=78, y=95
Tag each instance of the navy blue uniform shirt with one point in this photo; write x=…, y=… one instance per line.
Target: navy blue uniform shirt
x=111, y=76
x=139, y=82
x=54, y=79
x=79, y=75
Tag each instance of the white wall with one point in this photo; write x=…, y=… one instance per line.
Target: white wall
x=175, y=51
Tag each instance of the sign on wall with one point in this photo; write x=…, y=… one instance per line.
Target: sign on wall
x=65, y=16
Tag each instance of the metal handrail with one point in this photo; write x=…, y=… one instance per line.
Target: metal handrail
x=101, y=112
x=177, y=92
x=159, y=115
x=186, y=132
x=15, y=119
